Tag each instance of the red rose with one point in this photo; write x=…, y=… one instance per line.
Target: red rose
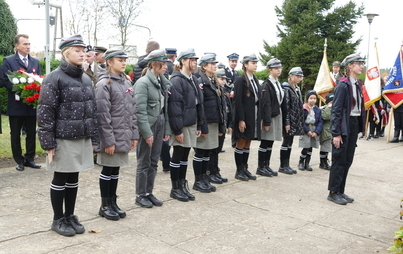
x=36, y=96
x=38, y=88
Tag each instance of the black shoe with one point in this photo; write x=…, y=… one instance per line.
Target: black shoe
x=370, y=137
x=166, y=170
x=20, y=167
x=248, y=174
x=207, y=183
x=222, y=151
x=240, y=174
x=291, y=169
x=336, y=198
x=347, y=198
x=394, y=140
x=116, y=208
x=201, y=186
x=107, y=211
x=285, y=170
x=223, y=179
x=77, y=226
x=143, y=202
x=154, y=200
x=185, y=189
x=376, y=136
x=32, y=164
x=62, y=227
x=213, y=178
x=263, y=172
x=381, y=135
x=301, y=164
x=274, y=173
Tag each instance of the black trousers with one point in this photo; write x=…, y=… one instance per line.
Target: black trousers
x=165, y=156
x=16, y=123
x=342, y=158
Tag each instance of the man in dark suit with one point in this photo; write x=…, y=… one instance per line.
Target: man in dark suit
x=21, y=114
x=230, y=71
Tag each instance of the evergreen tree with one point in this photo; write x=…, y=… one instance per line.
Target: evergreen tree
x=8, y=29
x=302, y=28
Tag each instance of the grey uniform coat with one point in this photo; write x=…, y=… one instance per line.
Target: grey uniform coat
x=116, y=113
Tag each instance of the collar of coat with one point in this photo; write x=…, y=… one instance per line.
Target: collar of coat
x=164, y=81
x=71, y=70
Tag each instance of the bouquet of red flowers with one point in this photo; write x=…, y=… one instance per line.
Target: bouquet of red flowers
x=26, y=86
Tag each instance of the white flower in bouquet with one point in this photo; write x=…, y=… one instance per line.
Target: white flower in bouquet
x=15, y=81
x=30, y=80
x=23, y=80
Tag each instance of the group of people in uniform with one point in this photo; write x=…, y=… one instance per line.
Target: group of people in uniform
x=85, y=108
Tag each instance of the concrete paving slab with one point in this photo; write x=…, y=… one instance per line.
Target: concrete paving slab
x=284, y=214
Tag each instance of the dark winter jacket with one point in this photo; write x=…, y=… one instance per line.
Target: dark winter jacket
x=182, y=108
x=116, y=112
x=270, y=107
x=343, y=103
x=244, y=109
x=214, y=102
x=138, y=68
x=67, y=108
x=318, y=120
x=228, y=101
x=292, y=110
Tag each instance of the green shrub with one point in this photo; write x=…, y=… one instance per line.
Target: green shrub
x=129, y=68
x=3, y=100
x=54, y=63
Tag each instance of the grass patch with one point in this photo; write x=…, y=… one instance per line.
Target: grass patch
x=5, y=146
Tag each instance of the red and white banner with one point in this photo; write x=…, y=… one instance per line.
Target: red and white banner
x=372, y=86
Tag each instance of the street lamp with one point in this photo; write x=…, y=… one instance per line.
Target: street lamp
x=370, y=17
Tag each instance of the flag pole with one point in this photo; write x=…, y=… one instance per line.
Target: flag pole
x=389, y=124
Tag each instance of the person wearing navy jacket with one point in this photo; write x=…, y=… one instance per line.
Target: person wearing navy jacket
x=246, y=117
x=348, y=119
x=21, y=114
x=313, y=125
x=186, y=119
x=214, y=106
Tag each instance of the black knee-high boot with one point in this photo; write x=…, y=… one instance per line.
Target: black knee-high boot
x=199, y=183
x=176, y=191
x=106, y=209
x=112, y=194
x=245, y=159
x=239, y=174
x=183, y=181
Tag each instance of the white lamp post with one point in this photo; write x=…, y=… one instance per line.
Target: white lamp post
x=370, y=17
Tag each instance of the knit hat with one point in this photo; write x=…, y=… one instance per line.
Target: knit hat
x=309, y=93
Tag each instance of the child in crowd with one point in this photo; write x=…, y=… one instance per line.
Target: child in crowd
x=313, y=125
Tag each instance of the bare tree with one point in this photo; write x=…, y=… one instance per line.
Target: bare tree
x=124, y=12
x=86, y=17
x=75, y=22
